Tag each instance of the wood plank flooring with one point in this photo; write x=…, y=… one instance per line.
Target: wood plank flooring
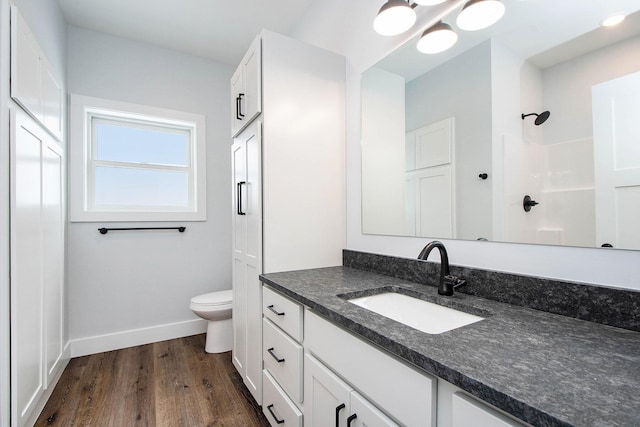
x=164, y=384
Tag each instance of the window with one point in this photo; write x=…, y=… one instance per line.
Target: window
x=135, y=163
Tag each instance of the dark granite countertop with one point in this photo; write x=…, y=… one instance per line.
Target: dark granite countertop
x=543, y=368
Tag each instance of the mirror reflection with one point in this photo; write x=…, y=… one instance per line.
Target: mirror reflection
x=525, y=132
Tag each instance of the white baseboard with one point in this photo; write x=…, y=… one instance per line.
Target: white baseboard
x=124, y=339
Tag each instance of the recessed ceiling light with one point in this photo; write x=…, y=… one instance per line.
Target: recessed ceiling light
x=613, y=20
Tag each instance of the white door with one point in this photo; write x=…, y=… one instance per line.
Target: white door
x=616, y=140
x=429, y=180
x=326, y=396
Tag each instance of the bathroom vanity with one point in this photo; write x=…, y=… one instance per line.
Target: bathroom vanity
x=517, y=366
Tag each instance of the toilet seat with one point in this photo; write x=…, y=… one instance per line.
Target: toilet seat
x=213, y=300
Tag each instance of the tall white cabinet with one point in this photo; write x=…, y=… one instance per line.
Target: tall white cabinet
x=37, y=263
x=289, y=205
x=37, y=226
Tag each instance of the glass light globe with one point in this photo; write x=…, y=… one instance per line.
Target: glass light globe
x=395, y=17
x=479, y=14
x=429, y=2
x=437, y=39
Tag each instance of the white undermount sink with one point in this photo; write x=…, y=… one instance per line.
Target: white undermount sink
x=419, y=314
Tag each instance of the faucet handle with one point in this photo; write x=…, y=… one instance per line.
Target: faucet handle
x=455, y=281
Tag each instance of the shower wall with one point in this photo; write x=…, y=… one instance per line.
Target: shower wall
x=567, y=194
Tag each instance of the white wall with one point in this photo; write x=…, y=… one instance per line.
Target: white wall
x=46, y=21
x=384, y=152
x=126, y=288
x=353, y=36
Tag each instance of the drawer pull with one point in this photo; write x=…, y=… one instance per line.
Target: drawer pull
x=274, y=415
x=277, y=313
x=350, y=419
x=270, y=350
x=339, y=408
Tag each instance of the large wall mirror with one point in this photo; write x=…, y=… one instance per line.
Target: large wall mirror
x=459, y=144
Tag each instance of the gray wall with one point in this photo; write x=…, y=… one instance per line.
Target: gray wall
x=450, y=90
x=131, y=280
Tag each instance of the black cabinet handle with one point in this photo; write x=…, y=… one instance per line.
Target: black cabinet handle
x=606, y=245
x=239, y=197
x=274, y=415
x=350, y=419
x=339, y=408
x=270, y=350
x=270, y=307
x=238, y=108
x=240, y=96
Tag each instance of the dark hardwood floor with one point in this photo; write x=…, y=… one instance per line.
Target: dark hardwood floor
x=169, y=383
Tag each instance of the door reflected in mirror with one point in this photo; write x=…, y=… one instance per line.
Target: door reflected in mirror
x=452, y=150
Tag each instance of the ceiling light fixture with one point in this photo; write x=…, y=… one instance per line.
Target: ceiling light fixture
x=479, y=14
x=437, y=38
x=612, y=21
x=394, y=17
x=429, y=2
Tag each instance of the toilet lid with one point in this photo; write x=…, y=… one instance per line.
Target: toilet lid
x=214, y=298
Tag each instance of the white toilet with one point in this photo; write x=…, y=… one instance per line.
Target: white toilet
x=216, y=308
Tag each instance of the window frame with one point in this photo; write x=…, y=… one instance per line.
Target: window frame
x=82, y=208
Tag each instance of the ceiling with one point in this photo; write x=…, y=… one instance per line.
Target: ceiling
x=217, y=29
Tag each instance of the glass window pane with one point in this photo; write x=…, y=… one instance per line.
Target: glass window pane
x=130, y=143
x=141, y=187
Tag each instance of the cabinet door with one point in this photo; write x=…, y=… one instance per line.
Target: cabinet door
x=27, y=352
x=25, y=66
x=246, y=88
x=237, y=87
x=52, y=100
x=247, y=258
x=364, y=414
x=326, y=396
x=53, y=256
x=251, y=102
x=468, y=412
x=239, y=173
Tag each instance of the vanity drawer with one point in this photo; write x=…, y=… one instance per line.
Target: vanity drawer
x=276, y=406
x=283, y=312
x=283, y=359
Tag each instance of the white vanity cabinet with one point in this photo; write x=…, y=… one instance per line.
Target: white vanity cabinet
x=246, y=89
x=288, y=188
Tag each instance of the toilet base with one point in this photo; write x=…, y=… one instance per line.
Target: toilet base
x=219, y=336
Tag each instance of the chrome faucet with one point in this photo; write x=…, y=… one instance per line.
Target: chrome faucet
x=448, y=283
